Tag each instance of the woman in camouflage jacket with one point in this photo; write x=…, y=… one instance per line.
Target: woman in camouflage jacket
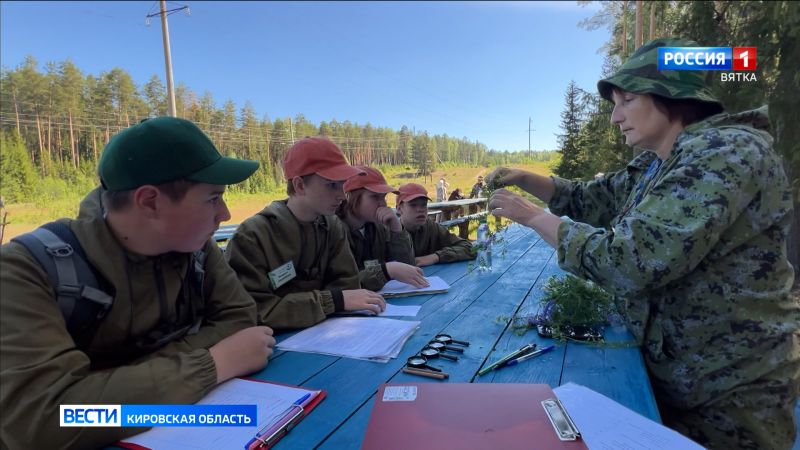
x=691, y=237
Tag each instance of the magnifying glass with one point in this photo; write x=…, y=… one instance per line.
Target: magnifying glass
x=441, y=347
x=420, y=362
x=431, y=353
x=446, y=339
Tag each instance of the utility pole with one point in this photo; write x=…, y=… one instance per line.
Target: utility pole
x=529, y=136
x=167, y=56
x=168, y=59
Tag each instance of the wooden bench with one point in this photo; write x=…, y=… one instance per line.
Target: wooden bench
x=460, y=213
x=463, y=223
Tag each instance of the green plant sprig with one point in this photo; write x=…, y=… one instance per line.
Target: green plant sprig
x=577, y=302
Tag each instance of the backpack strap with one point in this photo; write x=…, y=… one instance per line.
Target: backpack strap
x=190, y=312
x=77, y=290
x=197, y=296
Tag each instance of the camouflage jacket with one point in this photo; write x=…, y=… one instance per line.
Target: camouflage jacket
x=373, y=246
x=700, y=262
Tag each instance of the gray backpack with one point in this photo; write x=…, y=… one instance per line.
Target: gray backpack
x=84, y=301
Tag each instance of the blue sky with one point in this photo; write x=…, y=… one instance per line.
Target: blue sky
x=467, y=69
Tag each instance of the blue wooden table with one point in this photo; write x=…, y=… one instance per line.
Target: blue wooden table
x=477, y=308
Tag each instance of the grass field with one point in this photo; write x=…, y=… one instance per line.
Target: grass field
x=23, y=217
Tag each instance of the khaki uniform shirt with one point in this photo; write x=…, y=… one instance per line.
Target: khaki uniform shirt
x=42, y=368
x=318, y=252
x=434, y=238
x=375, y=245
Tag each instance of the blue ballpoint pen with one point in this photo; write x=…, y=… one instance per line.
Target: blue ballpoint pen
x=258, y=437
x=530, y=355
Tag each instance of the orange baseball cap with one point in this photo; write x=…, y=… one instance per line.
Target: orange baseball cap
x=372, y=181
x=317, y=155
x=410, y=191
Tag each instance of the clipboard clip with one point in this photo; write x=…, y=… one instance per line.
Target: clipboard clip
x=278, y=430
x=562, y=423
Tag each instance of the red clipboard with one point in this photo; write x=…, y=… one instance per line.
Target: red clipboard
x=463, y=416
x=288, y=422
x=284, y=424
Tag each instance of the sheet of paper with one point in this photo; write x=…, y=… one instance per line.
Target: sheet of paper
x=401, y=310
x=370, y=338
x=396, y=288
x=390, y=311
x=605, y=424
x=272, y=401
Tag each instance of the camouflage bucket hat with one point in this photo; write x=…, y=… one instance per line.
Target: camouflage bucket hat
x=640, y=75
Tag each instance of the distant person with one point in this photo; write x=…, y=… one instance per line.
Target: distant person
x=691, y=236
x=441, y=189
x=380, y=246
x=433, y=243
x=478, y=188
x=167, y=320
x=293, y=256
x=456, y=195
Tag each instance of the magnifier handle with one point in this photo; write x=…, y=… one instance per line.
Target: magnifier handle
x=454, y=349
x=450, y=357
x=425, y=373
x=435, y=369
x=464, y=343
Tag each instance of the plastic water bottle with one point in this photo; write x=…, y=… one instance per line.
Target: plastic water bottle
x=484, y=260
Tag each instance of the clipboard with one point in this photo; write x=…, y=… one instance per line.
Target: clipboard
x=268, y=437
x=465, y=416
x=235, y=437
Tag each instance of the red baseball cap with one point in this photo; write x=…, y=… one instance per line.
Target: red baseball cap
x=317, y=155
x=410, y=191
x=372, y=181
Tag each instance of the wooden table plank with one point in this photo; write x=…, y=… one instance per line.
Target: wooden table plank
x=617, y=373
x=543, y=369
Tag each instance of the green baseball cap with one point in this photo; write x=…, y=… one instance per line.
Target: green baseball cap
x=640, y=75
x=165, y=149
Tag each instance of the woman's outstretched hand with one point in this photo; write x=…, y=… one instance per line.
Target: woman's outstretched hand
x=505, y=203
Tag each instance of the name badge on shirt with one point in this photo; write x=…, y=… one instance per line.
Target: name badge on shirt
x=282, y=275
x=371, y=263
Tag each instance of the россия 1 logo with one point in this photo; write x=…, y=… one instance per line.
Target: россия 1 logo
x=742, y=60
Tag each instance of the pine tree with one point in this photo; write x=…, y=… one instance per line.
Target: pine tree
x=572, y=163
x=423, y=154
x=19, y=176
x=155, y=95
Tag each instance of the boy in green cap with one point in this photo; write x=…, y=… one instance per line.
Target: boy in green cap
x=691, y=238
x=293, y=257
x=176, y=321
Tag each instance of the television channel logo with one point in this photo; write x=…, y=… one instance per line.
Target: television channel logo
x=707, y=58
x=202, y=415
